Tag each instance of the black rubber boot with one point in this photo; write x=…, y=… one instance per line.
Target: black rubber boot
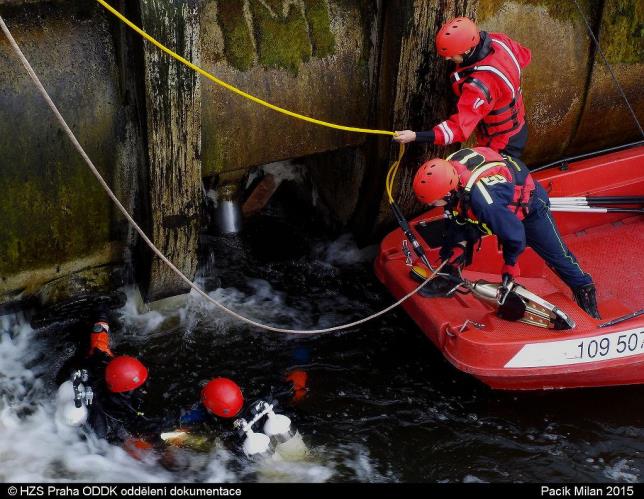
x=585, y=298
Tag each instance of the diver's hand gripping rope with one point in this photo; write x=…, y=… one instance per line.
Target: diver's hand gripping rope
x=151, y=245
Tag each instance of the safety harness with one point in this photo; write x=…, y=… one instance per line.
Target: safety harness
x=473, y=166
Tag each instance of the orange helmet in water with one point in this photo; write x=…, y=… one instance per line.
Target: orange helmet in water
x=457, y=37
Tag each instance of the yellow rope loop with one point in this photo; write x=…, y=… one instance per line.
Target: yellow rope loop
x=391, y=174
x=232, y=88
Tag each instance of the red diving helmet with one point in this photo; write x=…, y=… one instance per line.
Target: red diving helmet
x=434, y=180
x=457, y=37
x=222, y=397
x=124, y=374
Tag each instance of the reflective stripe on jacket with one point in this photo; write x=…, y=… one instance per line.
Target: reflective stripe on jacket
x=481, y=167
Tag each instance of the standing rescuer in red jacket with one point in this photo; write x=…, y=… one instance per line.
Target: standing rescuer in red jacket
x=487, y=81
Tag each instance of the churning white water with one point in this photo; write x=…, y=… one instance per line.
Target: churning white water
x=383, y=405
x=33, y=446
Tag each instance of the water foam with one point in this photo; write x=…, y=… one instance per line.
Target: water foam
x=344, y=251
x=34, y=447
x=622, y=471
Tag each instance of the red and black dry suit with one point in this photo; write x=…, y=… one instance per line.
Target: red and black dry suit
x=488, y=86
x=497, y=195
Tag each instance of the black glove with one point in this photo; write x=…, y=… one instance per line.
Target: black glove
x=456, y=255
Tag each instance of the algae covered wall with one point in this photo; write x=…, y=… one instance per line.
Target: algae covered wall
x=140, y=118
x=55, y=218
x=308, y=56
x=605, y=119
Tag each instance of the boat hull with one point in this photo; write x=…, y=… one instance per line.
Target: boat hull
x=516, y=356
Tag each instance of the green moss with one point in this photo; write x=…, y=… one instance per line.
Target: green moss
x=213, y=150
x=622, y=22
x=622, y=31
x=322, y=39
x=282, y=41
x=52, y=208
x=276, y=5
x=368, y=16
x=238, y=44
x=563, y=10
x=50, y=219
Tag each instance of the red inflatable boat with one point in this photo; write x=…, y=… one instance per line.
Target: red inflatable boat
x=519, y=356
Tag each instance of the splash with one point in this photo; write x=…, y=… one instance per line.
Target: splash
x=622, y=471
x=285, y=170
x=344, y=251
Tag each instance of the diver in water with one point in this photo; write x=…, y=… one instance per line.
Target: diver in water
x=223, y=416
x=117, y=412
x=223, y=398
x=210, y=419
x=114, y=407
x=111, y=387
x=484, y=192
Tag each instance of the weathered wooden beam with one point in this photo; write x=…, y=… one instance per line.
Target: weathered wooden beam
x=260, y=196
x=173, y=102
x=414, y=90
x=423, y=87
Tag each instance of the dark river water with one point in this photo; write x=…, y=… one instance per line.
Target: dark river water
x=383, y=405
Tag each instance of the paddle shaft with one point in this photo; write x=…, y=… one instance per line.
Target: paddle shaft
x=597, y=200
x=589, y=209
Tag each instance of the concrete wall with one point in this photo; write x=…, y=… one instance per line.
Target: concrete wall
x=314, y=57
x=55, y=218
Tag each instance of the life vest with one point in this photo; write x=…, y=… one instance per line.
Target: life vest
x=478, y=162
x=508, y=113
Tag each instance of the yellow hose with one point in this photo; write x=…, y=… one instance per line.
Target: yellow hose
x=230, y=87
x=391, y=174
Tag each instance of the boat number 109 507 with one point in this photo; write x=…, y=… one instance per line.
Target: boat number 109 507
x=626, y=343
